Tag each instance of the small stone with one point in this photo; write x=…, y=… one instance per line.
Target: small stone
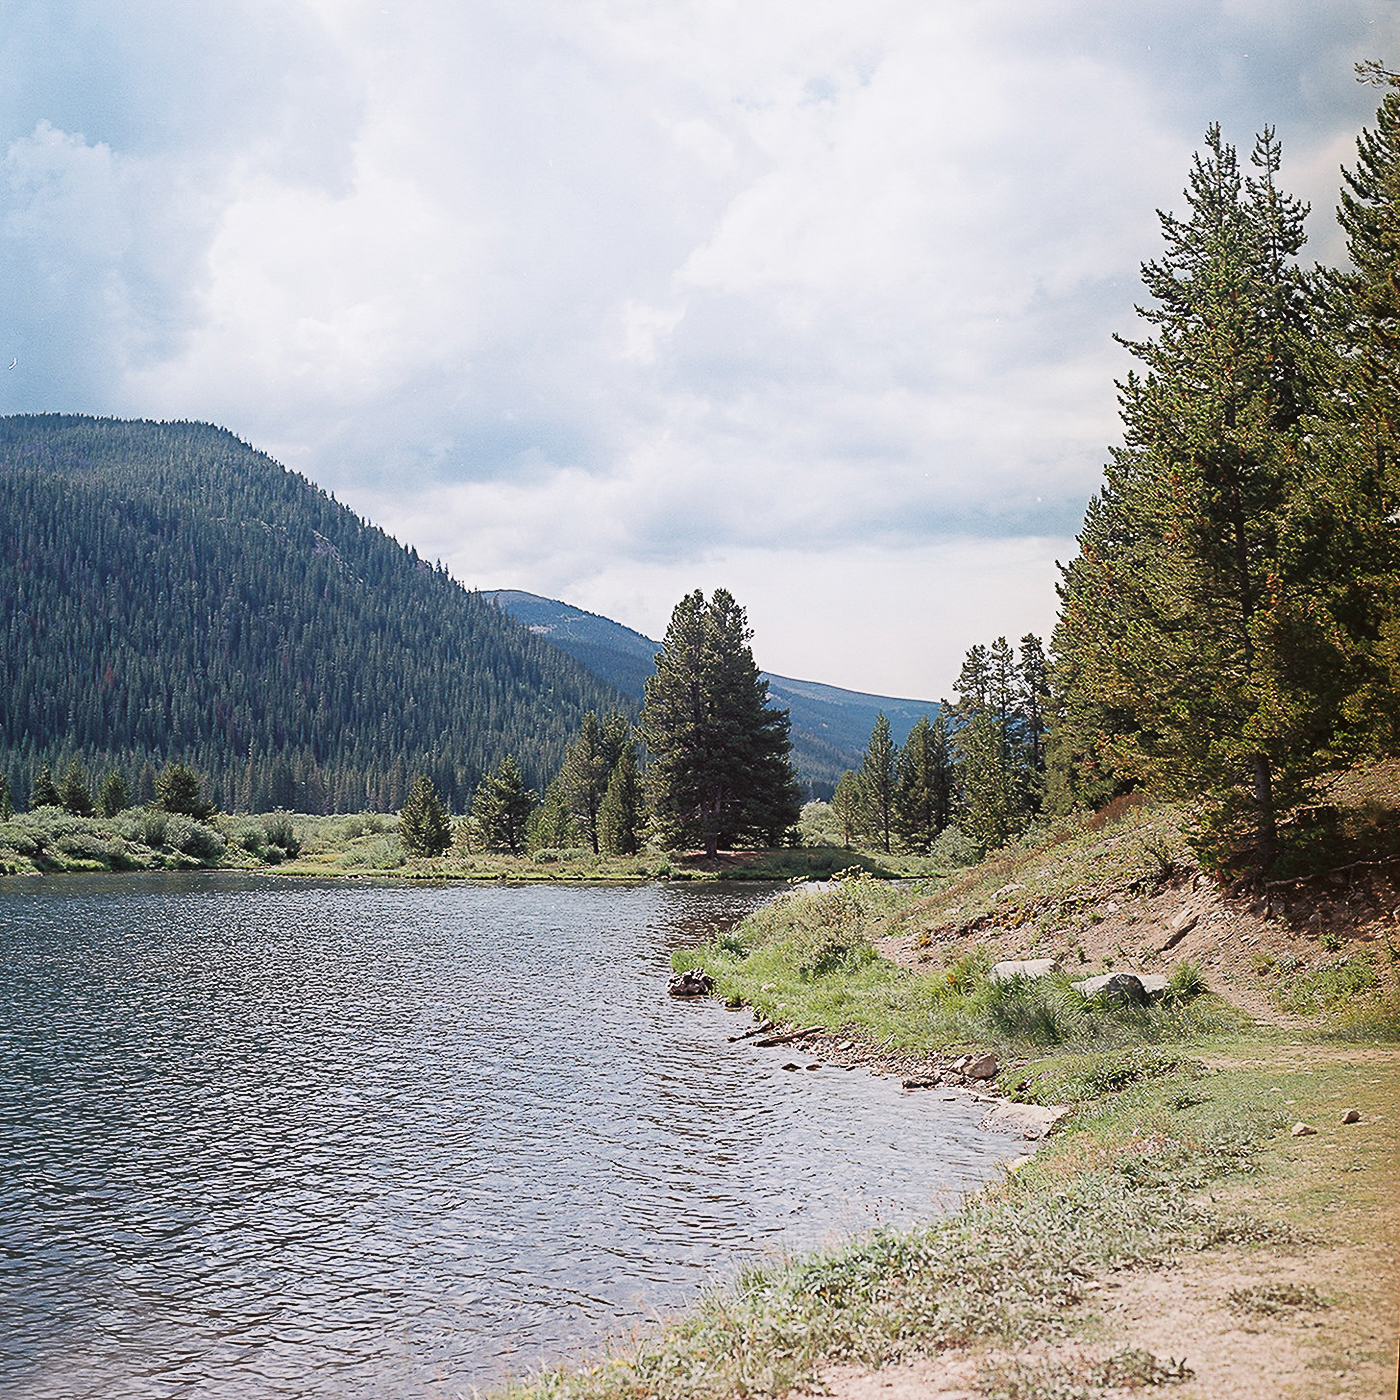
x=792, y=1066
x=1185, y=921
x=1352, y=1115
x=813, y=1066
x=1302, y=1130
x=983, y=1067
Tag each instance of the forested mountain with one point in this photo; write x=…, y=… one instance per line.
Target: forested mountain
x=829, y=725
x=166, y=591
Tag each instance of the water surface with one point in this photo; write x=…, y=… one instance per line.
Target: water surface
x=265, y=1138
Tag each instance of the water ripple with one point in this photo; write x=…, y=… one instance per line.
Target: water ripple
x=273, y=1139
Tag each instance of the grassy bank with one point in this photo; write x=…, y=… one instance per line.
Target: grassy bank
x=1144, y=1175
x=50, y=840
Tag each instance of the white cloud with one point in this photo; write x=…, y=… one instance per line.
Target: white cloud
x=602, y=299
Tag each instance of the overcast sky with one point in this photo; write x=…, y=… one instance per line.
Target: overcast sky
x=610, y=300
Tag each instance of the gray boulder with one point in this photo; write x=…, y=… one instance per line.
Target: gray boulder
x=1117, y=988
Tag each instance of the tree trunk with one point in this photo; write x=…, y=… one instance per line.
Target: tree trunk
x=711, y=844
x=1264, y=797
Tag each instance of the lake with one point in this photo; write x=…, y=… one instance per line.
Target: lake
x=272, y=1138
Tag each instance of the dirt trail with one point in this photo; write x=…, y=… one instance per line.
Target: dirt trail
x=1341, y=1185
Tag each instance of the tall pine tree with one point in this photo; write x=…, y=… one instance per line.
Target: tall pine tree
x=720, y=770
x=1190, y=608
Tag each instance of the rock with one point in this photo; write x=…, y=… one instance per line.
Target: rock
x=1153, y=983
x=1028, y=1120
x=1117, y=988
x=1028, y=968
x=981, y=1066
x=695, y=983
x=1006, y=890
x=1182, y=924
x=928, y=1082
x=1352, y=1115
x=1302, y=1130
x=790, y=1065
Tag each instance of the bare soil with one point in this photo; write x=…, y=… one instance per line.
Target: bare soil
x=1230, y=934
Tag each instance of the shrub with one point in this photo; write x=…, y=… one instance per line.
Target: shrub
x=153, y=827
x=280, y=833
x=1186, y=981
x=194, y=838
x=250, y=837
x=954, y=847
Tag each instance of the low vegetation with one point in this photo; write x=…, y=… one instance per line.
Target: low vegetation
x=1126, y=1185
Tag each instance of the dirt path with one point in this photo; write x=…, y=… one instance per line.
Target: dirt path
x=1336, y=1338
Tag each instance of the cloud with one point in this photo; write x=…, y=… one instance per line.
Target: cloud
x=598, y=296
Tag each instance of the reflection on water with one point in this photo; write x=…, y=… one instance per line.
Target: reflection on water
x=262, y=1138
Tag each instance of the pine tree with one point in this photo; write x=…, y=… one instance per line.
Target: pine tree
x=114, y=796
x=74, y=793
x=877, y=781
x=922, y=786
x=178, y=789
x=43, y=792
x=620, y=816
x=1191, y=607
x=720, y=770
x=988, y=810
x=1355, y=503
x=588, y=766
x=7, y=806
x=424, y=826
x=501, y=809
x=848, y=807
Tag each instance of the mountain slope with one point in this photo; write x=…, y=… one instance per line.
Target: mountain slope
x=830, y=726
x=167, y=591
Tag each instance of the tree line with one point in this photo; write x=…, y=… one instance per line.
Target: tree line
x=978, y=764
x=709, y=764
x=169, y=594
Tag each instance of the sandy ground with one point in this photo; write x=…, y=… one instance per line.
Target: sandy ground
x=1345, y=1176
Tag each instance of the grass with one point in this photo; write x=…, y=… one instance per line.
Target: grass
x=1120, y=1189
x=808, y=958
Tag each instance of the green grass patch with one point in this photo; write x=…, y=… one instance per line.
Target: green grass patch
x=1118, y=1190
x=808, y=957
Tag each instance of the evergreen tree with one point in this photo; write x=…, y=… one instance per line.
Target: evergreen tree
x=1034, y=694
x=877, y=781
x=43, y=792
x=146, y=784
x=848, y=807
x=1355, y=501
x=114, y=796
x=720, y=769
x=552, y=825
x=988, y=810
x=922, y=786
x=7, y=806
x=74, y=793
x=501, y=809
x=588, y=766
x=178, y=789
x=620, y=816
x=424, y=827
x=1192, y=606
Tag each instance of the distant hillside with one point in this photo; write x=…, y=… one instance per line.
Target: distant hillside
x=830, y=726
x=167, y=591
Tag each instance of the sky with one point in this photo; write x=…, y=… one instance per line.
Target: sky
x=605, y=300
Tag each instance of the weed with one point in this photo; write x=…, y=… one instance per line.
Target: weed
x=1270, y=1299
x=1325, y=987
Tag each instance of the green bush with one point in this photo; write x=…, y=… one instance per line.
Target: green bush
x=1325, y=987
x=280, y=833
x=194, y=838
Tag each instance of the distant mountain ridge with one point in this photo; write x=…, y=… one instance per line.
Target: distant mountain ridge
x=830, y=726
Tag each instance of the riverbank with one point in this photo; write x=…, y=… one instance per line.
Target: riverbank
x=1172, y=1231
x=1216, y=1209
x=52, y=841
